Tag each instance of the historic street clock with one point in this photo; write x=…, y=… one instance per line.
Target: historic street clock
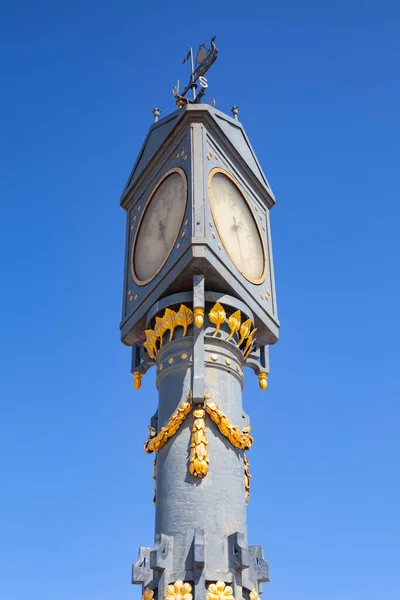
x=159, y=226
x=237, y=226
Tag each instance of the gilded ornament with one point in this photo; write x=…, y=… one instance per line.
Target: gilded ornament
x=170, y=323
x=246, y=478
x=155, y=480
x=249, y=344
x=220, y=591
x=160, y=329
x=184, y=356
x=198, y=458
x=234, y=323
x=178, y=591
x=137, y=379
x=148, y=594
x=244, y=331
x=254, y=595
x=262, y=381
x=241, y=440
x=150, y=343
x=217, y=316
x=199, y=317
x=184, y=317
x=156, y=442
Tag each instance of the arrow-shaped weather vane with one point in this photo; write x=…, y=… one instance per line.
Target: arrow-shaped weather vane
x=204, y=59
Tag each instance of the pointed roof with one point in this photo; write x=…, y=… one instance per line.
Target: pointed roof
x=232, y=130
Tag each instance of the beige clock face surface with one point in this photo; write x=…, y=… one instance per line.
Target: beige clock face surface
x=236, y=226
x=159, y=227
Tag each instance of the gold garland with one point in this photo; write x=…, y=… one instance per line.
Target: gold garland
x=246, y=477
x=198, y=458
x=157, y=440
x=241, y=440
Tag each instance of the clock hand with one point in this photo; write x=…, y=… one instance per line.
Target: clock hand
x=238, y=239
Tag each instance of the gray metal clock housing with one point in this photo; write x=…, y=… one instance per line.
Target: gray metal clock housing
x=198, y=139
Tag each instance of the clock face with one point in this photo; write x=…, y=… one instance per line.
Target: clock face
x=159, y=227
x=237, y=227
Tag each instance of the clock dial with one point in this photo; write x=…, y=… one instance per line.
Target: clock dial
x=236, y=226
x=159, y=227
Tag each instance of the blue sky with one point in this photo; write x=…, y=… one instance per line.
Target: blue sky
x=318, y=89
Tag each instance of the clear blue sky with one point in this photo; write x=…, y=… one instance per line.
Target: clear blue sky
x=318, y=88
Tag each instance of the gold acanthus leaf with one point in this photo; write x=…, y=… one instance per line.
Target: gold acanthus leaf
x=159, y=329
x=234, y=323
x=154, y=444
x=184, y=317
x=217, y=316
x=170, y=322
x=241, y=440
x=244, y=331
x=198, y=458
x=150, y=343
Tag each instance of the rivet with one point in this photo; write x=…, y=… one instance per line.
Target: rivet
x=170, y=360
x=185, y=157
x=213, y=234
x=134, y=218
x=208, y=158
x=219, y=246
x=135, y=297
x=263, y=228
x=211, y=223
x=216, y=156
x=256, y=208
x=177, y=156
x=139, y=207
x=177, y=246
x=130, y=298
x=186, y=222
x=228, y=361
x=160, y=367
x=184, y=356
x=214, y=357
x=182, y=153
x=183, y=233
x=261, y=217
x=131, y=227
x=262, y=297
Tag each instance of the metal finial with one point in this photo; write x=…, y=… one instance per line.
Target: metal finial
x=156, y=113
x=235, y=112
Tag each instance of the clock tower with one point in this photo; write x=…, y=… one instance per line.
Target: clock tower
x=199, y=305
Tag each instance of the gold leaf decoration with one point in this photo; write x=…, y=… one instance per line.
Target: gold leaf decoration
x=178, y=591
x=160, y=329
x=234, y=323
x=244, y=331
x=184, y=317
x=249, y=344
x=155, y=443
x=219, y=591
x=217, y=316
x=198, y=458
x=148, y=594
x=241, y=440
x=150, y=343
x=254, y=595
x=170, y=321
x=246, y=477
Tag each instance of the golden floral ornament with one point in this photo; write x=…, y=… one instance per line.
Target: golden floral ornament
x=220, y=591
x=234, y=323
x=198, y=458
x=148, y=594
x=137, y=379
x=184, y=317
x=217, y=316
x=262, y=381
x=178, y=591
x=254, y=595
x=199, y=317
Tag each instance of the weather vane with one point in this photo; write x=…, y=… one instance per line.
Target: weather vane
x=204, y=59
